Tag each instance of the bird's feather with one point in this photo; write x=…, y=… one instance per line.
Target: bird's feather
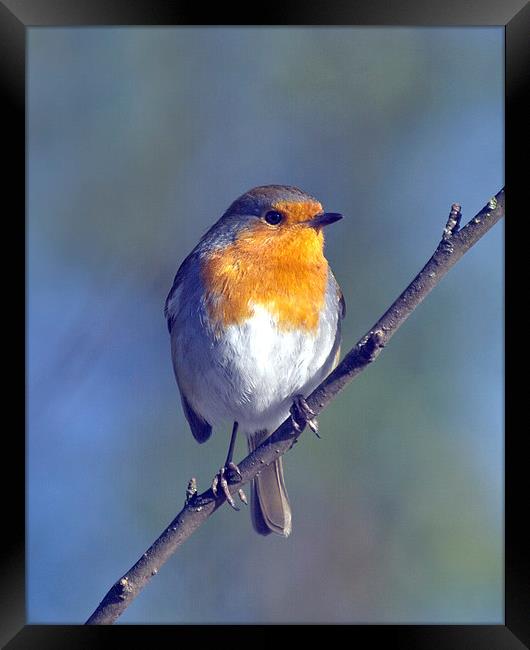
x=200, y=429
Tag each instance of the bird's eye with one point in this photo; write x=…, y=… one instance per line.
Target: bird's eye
x=273, y=217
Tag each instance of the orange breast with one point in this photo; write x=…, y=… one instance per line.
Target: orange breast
x=283, y=270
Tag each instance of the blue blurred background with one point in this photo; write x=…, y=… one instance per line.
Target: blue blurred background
x=138, y=140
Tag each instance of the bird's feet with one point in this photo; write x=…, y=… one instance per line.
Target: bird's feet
x=230, y=470
x=301, y=415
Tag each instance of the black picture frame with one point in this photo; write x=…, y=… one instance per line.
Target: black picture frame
x=16, y=16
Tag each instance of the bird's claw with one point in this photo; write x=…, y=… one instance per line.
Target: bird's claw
x=232, y=466
x=302, y=414
x=242, y=496
x=219, y=481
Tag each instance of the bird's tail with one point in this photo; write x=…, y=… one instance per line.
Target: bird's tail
x=270, y=509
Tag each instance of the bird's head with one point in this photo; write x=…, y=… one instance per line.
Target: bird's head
x=278, y=211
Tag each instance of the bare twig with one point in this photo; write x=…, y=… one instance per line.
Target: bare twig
x=198, y=508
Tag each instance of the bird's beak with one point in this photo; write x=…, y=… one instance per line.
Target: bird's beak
x=323, y=219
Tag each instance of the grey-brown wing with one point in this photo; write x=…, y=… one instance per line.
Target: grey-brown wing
x=200, y=428
x=335, y=352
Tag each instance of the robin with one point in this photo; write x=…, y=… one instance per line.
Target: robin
x=254, y=319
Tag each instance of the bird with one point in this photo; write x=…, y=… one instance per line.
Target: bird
x=254, y=316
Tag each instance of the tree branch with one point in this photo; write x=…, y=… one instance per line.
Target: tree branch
x=198, y=508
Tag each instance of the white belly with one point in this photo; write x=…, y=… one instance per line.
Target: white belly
x=252, y=372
